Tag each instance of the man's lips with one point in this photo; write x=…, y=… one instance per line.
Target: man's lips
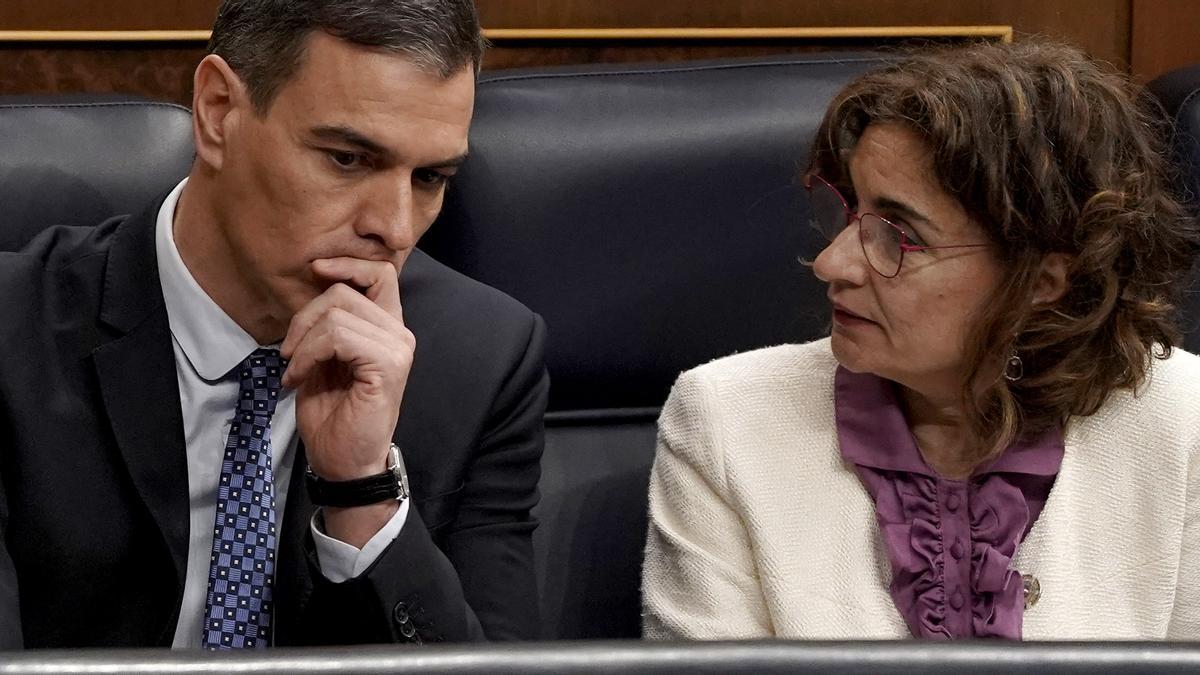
x=372, y=255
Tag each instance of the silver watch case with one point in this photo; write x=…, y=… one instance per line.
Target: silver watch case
x=396, y=466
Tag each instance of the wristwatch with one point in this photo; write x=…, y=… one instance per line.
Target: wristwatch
x=391, y=484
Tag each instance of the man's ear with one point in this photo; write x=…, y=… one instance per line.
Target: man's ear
x=1052, y=282
x=219, y=98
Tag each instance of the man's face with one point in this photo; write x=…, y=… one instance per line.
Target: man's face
x=351, y=159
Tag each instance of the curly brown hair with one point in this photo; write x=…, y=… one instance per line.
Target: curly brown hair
x=1049, y=151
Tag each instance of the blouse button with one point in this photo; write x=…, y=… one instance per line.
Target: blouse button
x=952, y=502
x=956, y=601
x=956, y=549
x=1032, y=588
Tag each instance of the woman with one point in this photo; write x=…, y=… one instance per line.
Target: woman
x=1000, y=438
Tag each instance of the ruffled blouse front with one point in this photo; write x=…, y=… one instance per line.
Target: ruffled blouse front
x=950, y=542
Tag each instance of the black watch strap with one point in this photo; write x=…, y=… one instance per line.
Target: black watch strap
x=389, y=485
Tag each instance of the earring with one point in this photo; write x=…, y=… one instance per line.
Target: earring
x=1014, y=369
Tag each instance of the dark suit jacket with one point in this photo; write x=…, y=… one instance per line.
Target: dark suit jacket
x=93, y=476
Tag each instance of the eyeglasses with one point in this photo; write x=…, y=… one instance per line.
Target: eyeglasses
x=883, y=242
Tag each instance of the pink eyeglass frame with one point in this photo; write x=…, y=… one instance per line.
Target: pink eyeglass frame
x=852, y=216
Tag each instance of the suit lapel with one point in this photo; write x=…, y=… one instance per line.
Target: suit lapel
x=136, y=372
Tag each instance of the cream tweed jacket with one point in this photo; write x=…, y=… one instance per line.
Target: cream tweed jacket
x=758, y=529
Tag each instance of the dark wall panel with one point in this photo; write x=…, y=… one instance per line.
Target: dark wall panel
x=1105, y=28
x=159, y=71
x=107, y=14
x=1099, y=26
x=519, y=54
x=1165, y=35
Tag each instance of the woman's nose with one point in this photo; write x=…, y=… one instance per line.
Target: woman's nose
x=842, y=259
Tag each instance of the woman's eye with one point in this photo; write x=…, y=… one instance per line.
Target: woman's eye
x=893, y=236
x=910, y=237
x=914, y=239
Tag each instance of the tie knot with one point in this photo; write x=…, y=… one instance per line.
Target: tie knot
x=260, y=375
x=265, y=357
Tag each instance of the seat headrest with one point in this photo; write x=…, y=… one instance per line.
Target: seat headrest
x=651, y=213
x=1179, y=93
x=68, y=162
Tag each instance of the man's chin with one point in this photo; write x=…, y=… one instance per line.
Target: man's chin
x=302, y=292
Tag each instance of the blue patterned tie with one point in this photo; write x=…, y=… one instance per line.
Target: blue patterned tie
x=242, y=565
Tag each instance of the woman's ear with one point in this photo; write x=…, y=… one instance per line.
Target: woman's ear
x=218, y=97
x=1051, y=282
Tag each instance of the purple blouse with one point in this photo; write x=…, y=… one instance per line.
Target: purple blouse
x=950, y=542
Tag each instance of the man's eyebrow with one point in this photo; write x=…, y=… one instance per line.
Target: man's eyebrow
x=904, y=210
x=449, y=163
x=342, y=134
x=348, y=136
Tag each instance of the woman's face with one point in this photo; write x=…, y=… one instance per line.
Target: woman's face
x=910, y=328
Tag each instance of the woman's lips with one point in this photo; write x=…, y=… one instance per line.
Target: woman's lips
x=845, y=317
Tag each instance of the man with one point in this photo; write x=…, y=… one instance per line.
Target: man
x=205, y=408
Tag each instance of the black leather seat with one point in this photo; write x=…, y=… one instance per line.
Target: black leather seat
x=651, y=214
x=1179, y=93
x=73, y=160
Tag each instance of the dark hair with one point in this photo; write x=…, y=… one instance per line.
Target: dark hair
x=1049, y=151
x=263, y=40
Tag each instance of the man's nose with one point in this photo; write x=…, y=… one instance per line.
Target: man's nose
x=390, y=215
x=842, y=259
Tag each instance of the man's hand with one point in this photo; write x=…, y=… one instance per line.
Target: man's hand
x=349, y=359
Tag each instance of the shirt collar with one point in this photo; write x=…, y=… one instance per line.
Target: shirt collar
x=212, y=342
x=873, y=432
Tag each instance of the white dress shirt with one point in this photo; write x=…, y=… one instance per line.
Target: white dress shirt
x=208, y=346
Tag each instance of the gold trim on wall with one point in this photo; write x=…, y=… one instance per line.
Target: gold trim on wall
x=1002, y=33
x=104, y=35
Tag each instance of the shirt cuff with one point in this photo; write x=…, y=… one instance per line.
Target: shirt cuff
x=340, y=561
